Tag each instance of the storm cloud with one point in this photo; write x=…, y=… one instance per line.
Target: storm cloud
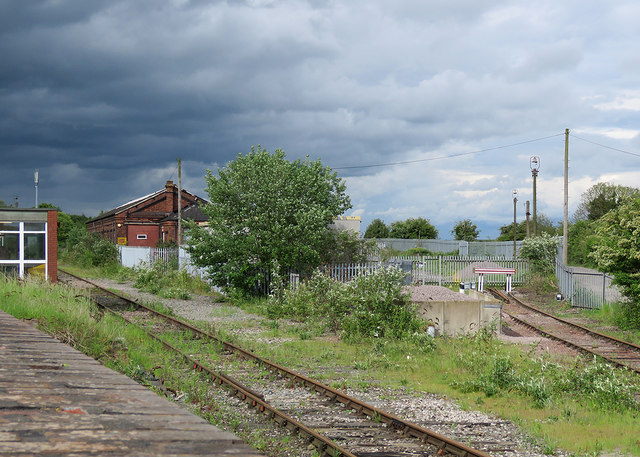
x=103, y=97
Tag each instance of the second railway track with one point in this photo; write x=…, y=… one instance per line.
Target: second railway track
x=613, y=350
x=335, y=423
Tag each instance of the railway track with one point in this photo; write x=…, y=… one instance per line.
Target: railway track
x=333, y=422
x=613, y=350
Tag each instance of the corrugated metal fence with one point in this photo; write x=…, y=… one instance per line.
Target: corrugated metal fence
x=586, y=288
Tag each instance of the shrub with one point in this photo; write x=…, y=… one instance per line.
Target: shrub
x=371, y=305
x=541, y=251
x=89, y=249
x=167, y=281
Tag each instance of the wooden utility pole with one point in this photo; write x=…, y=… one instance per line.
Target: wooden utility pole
x=565, y=227
x=528, y=215
x=179, y=203
x=515, y=223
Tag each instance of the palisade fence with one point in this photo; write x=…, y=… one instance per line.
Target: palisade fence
x=437, y=270
x=463, y=248
x=586, y=288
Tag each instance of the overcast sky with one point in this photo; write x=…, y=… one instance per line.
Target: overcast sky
x=103, y=97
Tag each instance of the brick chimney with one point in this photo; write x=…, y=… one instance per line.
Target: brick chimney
x=170, y=190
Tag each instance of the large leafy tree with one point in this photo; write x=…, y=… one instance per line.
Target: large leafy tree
x=601, y=198
x=266, y=210
x=377, y=229
x=465, y=230
x=545, y=225
x=506, y=232
x=617, y=251
x=413, y=229
x=582, y=236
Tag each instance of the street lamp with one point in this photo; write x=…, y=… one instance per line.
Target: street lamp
x=515, y=226
x=534, y=164
x=36, y=179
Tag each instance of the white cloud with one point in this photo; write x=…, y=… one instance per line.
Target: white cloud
x=629, y=101
x=112, y=95
x=612, y=132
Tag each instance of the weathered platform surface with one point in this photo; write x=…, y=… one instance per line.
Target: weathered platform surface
x=56, y=401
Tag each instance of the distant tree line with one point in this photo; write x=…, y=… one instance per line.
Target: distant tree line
x=419, y=228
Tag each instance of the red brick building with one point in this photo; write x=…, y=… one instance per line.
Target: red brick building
x=148, y=220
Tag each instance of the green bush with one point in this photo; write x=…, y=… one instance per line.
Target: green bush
x=371, y=305
x=89, y=249
x=167, y=281
x=541, y=251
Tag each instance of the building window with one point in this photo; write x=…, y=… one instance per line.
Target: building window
x=141, y=236
x=23, y=248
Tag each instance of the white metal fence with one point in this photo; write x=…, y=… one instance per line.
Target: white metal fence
x=433, y=270
x=438, y=270
x=586, y=288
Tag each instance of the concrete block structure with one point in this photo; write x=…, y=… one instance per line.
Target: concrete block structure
x=29, y=242
x=150, y=219
x=460, y=317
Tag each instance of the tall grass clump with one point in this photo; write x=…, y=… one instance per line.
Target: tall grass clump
x=493, y=372
x=168, y=281
x=67, y=315
x=89, y=250
x=370, y=305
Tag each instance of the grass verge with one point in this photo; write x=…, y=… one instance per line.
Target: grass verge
x=70, y=317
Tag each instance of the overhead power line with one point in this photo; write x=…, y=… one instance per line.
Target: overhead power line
x=460, y=154
x=605, y=146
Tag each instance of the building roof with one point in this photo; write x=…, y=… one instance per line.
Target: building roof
x=137, y=201
x=192, y=212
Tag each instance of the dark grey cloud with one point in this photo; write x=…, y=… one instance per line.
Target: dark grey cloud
x=104, y=96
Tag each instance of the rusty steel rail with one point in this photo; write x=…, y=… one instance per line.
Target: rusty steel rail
x=324, y=445
x=445, y=445
x=616, y=341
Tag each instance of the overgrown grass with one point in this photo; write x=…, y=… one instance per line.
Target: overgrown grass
x=371, y=305
x=159, y=278
x=66, y=314
x=168, y=282
x=545, y=396
x=579, y=405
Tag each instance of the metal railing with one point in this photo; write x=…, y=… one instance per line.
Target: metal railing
x=439, y=270
x=586, y=288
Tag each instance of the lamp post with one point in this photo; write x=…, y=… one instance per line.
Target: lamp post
x=515, y=226
x=534, y=164
x=36, y=179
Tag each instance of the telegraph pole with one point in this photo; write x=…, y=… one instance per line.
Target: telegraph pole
x=515, y=225
x=179, y=203
x=528, y=215
x=565, y=225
